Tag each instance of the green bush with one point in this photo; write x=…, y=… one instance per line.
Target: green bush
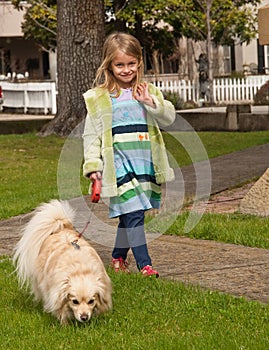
x=262, y=96
x=173, y=97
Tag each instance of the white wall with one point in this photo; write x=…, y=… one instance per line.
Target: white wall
x=249, y=52
x=10, y=20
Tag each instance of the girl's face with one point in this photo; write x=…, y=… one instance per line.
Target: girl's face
x=124, y=69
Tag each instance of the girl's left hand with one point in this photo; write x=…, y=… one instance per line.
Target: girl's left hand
x=143, y=95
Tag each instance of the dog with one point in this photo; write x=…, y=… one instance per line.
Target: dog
x=61, y=268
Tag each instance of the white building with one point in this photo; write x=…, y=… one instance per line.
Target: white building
x=18, y=55
x=253, y=57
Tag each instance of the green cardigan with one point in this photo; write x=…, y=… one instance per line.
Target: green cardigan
x=98, y=141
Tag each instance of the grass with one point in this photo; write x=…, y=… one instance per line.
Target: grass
x=198, y=146
x=147, y=314
x=241, y=229
x=28, y=172
x=29, y=165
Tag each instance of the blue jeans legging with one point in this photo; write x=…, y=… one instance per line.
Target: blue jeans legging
x=131, y=234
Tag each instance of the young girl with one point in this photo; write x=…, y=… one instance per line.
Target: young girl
x=124, y=147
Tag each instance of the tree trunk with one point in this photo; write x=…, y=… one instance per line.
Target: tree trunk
x=80, y=35
x=190, y=59
x=209, y=51
x=155, y=61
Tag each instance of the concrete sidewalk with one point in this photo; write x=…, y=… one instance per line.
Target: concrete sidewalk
x=228, y=268
x=254, y=110
x=4, y=117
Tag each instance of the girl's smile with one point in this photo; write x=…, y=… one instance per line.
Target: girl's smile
x=124, y=69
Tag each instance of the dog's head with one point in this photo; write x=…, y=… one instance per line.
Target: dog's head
x=87, y=295
x=82, y=307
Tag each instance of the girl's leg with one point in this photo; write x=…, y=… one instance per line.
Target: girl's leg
x=122, y=246
x=134, y=224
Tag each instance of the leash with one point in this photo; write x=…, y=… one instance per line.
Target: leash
x=95, y=197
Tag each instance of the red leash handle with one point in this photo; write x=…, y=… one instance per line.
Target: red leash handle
x=96, y=191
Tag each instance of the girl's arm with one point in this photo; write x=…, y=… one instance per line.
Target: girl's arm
x=92, y=148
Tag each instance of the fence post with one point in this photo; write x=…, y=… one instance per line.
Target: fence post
x=26, y=98
x=46, y=101
x=53, y=98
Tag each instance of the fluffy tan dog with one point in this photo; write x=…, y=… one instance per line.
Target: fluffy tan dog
x=69, y=278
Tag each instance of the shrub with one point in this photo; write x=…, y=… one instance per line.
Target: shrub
x=262, y=95
x=173, y=97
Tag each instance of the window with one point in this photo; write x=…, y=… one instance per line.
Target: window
x=4, y=62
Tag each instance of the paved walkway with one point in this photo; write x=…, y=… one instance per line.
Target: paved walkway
x=228, y=268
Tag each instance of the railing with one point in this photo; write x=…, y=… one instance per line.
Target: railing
x=30, y=95
x=225, y=90
x=229, y=90
x=187, y=90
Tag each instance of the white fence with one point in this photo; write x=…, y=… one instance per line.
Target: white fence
x=225, y=90
x=30, y=95
x=42, y=95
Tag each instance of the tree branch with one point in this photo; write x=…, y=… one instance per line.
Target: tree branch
x=41, y=25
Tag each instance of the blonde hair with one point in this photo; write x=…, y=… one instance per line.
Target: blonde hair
x=118, y=42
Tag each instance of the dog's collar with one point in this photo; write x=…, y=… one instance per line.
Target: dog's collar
x=75, y=244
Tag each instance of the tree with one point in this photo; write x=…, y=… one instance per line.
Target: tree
x=80, y=35
x=219, y=22
x=144, y=19
x=40, y=21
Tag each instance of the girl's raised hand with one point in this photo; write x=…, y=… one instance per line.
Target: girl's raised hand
x=143, y=95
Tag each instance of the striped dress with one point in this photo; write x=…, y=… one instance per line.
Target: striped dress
x=136, y=183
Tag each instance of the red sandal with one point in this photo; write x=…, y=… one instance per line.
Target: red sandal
x=148, y=271
x=120, y=265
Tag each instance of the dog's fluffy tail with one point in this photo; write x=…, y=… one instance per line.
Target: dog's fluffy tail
x=48, y=218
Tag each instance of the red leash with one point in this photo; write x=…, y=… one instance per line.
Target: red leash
x=95, y=196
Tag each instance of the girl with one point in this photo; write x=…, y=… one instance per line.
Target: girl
x=123, y=145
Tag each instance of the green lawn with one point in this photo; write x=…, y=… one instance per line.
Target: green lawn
x=28, y=172
x=187, y=147
x=237, y=228
x=147, y=314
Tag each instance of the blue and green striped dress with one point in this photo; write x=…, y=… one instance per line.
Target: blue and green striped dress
x=136, y=183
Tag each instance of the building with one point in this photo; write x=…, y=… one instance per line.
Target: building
x=252, y=58
x=19, y=56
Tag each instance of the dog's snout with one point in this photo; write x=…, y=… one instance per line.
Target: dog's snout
x=84, y=317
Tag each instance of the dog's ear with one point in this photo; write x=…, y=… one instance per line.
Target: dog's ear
x=103, y=295
x=103, y=303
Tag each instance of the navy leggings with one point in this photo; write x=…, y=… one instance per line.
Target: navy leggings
x=131, y=234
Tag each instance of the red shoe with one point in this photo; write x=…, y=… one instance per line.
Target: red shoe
x=120, y=265
x=148, y=271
